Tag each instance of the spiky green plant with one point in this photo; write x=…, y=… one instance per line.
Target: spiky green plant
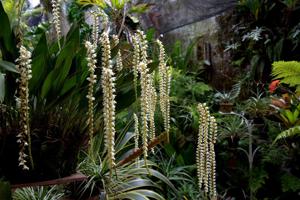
x=132, y=180
x=39, y=193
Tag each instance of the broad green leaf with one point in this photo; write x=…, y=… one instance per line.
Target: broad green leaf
x=9, y=6
x=290, y=116
x=8, y=66
x=2, y=87
x=7, y=47
x=65, y=58
x=68, y=85
x=47, y=84
x=41, y=64
x=55, y=80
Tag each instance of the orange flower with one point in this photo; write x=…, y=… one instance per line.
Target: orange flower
x=273, y=85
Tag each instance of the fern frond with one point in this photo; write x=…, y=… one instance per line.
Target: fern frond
x=288, y=72
x=294, y=131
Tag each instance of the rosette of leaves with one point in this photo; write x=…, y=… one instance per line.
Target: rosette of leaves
x=132, y=180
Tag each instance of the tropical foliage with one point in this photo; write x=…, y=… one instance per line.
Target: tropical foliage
x=83, y=89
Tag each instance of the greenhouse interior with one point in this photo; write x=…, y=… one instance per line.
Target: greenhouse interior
x=149, y=100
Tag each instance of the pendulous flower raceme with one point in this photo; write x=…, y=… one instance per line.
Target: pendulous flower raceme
x=56, y=8
x=144, y=76
x=24, y=139
x=136, y=60
x=152, y=107
x=136, y=132
x=164, y=87
x=92, y=61
x=119, y=63
x=143, y=45
x=205, y=154
x=95, y=26
x=148, y=92
x=109, y=103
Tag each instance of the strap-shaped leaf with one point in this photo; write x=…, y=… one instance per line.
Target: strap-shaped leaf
x=140, y=194
x=8, y=66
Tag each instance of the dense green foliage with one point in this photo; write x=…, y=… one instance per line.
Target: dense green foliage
x=257, y=149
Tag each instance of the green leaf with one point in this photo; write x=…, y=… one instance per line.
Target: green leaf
x=100, y=3
x=54, y=82
x=144, y=171
x=5, y=65
x=150, y=34
x=290, y=116
x=139, y=9
x=294, y=131
x=278, y=49
x=118, y=4
x=134, y=184
x=120, y=144
x=65, y=58
x=288, y=72
x=41, y=64
x=2, y=87
x=140, y=194
x=68, y=85
x=47, y=84
x=258, y=179
x=7, y=43
x=132, y=195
